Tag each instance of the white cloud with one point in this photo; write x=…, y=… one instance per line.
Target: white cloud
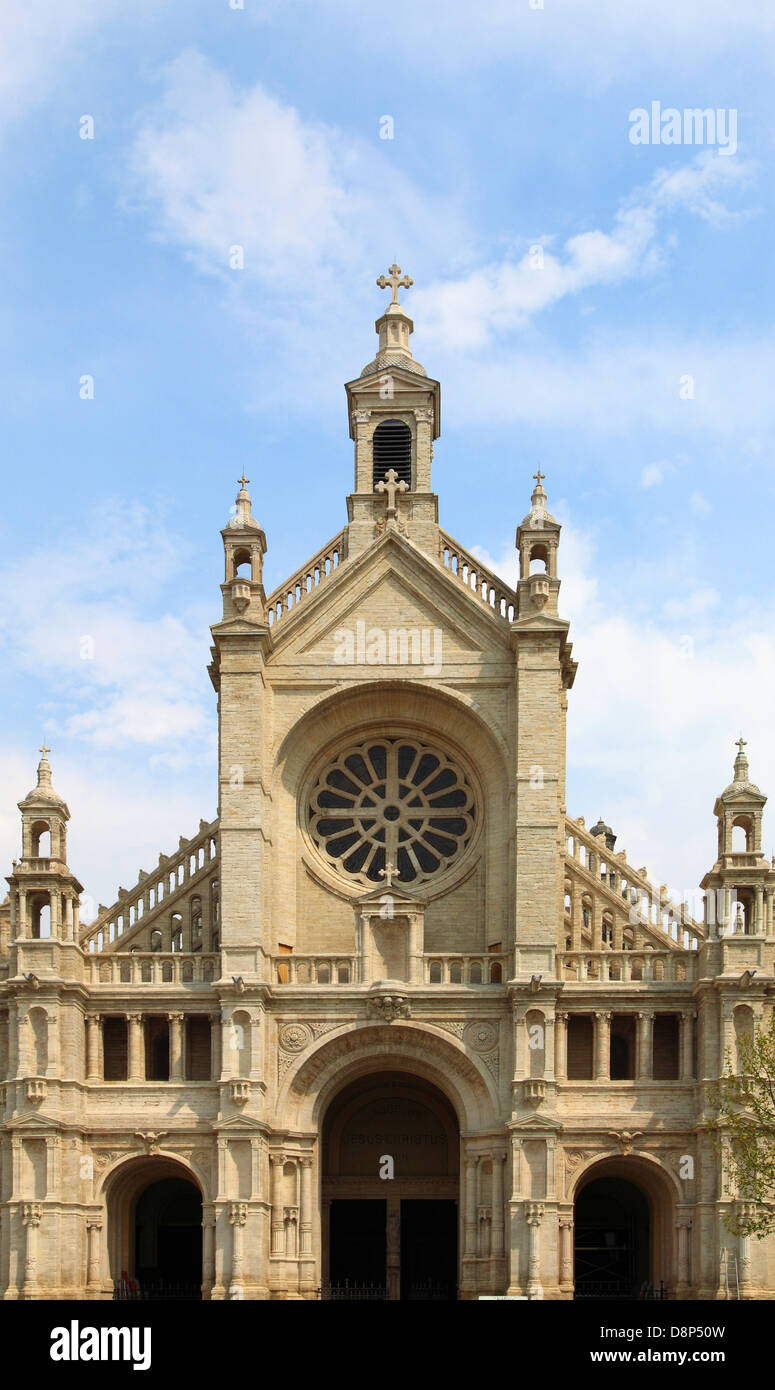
x=616, y=384
x=122, y=815
x=651, y=475
x=83, y=627
x=655, y=710
x=41, y=39
x=588, y=42
x=219, y=165
x=699, y=504
x=504, y=296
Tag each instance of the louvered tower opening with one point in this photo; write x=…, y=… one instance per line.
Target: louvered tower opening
x=392, y=449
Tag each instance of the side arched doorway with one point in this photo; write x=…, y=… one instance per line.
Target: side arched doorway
x=622, y=1232
x=155, y=1231
x=390, y=1187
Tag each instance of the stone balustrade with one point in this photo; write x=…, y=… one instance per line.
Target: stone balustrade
x=153, y=967
x=491, y=590
x=622, y=967
x=305, y=581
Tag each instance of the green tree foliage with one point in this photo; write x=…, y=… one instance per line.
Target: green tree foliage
x=744, y=1102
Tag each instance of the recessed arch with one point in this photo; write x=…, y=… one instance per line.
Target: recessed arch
x=170, y=1185
x=355, y=1051
x=637, y=1195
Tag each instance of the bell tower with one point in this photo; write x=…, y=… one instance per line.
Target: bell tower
x=740, y=888
x=44, y=893
x=395, y=415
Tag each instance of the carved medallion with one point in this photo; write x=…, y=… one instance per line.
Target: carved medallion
x=481, y=1037
x=294, y=1037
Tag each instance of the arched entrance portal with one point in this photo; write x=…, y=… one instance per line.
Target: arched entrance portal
x=612, y=1240
x=390, y=1237
x=155, y=1231
x=622, y=1229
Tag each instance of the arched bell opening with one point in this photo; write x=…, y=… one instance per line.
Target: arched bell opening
x=392, y=448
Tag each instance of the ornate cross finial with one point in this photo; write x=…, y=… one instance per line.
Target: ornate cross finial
x=539, y=476
x=389, y=873
x=391, y=486
x=243, y=481
x=741, y=744
x=44, y=750
x=394, y=281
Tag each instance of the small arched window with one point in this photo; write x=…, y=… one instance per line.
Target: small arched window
x=392, y=448
x=41, y=839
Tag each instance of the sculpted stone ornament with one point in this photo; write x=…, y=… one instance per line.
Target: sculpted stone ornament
x=294, y=1037
x=150, y=1138
x=481, y=1037
x=625, y=1138
x=389, y=1006
x=240, y=594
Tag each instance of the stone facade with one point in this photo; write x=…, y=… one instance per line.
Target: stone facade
x=393, y=937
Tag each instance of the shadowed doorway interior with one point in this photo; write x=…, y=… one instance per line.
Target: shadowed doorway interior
x=168, y=1240
x=394, y=1237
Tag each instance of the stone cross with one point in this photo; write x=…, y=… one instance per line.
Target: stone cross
x=391, y=486
x=44, y=750
x=394, y=280
x=389, y=872
x=539, y=476
x=741, y=743
x=243, y=481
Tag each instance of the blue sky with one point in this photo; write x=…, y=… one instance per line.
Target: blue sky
x=260, y=127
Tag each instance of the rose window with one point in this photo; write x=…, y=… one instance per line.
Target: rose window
x=392, y=808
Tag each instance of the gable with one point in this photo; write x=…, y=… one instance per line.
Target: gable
x=394, y=610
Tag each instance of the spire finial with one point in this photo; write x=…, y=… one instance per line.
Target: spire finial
x=395, y=281
x=741, y=761
x=44, y=769
x=539, y=477
x=243, y=481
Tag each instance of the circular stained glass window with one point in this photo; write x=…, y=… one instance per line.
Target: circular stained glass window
x=392, y=808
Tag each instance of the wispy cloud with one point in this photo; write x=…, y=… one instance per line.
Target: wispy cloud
x=120, y=670
x=656, y=706
x=504, y=296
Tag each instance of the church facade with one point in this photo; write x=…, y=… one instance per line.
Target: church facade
x=394, y=1026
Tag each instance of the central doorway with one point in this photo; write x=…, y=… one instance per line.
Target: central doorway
x=390, y=1192
x=612, y=1240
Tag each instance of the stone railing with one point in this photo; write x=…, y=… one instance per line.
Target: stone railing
x=315, y=970
x=437, y=969
x=152, y=968
x=305, y=581
x=649, y=908
x=155, y=891
x=492, y=591
x=465, y=969
x=611, y=967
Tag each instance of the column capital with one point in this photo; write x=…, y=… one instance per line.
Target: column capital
x=31, y=1214
x=534, y=1213
x=176, y=1017
x=238, y=1213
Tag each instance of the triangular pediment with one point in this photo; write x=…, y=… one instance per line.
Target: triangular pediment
x=536, y=1124
x=30, y=1122
x=392, y=608
x=237, y=1123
